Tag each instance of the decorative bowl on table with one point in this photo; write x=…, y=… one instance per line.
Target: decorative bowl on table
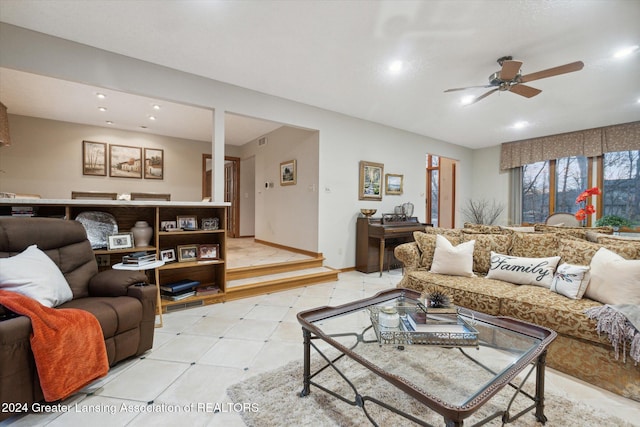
x=368, y=212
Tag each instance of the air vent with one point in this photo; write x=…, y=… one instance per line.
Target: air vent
x=262, y=141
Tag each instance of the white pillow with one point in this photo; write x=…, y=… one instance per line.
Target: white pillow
x=453, y=260
x=523, y=271
x=571, y=280
x=32, y=273
x=614, y=280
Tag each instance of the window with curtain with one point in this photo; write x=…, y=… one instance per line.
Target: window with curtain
x=553, y=185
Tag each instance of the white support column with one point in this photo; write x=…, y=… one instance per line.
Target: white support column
x=217, y=154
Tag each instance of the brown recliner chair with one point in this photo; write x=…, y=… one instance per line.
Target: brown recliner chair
x=122, y=301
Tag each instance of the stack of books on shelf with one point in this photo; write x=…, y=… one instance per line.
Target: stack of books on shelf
x=22, y=211
x=139, y=259
x=179, y=290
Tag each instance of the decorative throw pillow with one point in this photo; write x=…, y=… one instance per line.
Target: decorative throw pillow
x=523, y=271
x=614, y=280
x=32, y=273
x=453, y=260
x=427, y=245
x=571, y=280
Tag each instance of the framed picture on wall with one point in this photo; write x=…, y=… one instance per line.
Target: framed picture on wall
x=370, y=184
x=94, y=158
x=288, y=173
x=153, y=163
x=393, y=183
x=125, y=161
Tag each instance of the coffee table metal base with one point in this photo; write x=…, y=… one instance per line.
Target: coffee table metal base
x=359, y=399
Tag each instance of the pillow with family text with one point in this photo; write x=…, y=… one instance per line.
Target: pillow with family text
x=523, y=271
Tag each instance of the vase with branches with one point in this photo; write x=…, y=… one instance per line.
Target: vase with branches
x=482, y=211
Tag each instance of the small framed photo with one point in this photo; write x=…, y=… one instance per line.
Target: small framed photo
x=153, y=163
x=168, y=225
x=206, y=252
x=393, y=183
x=168, y=255
x=94, y=158
x=210, y=223
x=187, y=222
x=288, y=173
x=187, y=253
x=125, y=161
x=370, y=187
x=120, y=241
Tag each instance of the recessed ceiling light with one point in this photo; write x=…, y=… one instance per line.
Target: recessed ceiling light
x=102, y=108
x=622, y=53
x=521, y=124
x=396, y=66
x=156, y=107
x=152, y=117
x=101, y=95
x=109, y=122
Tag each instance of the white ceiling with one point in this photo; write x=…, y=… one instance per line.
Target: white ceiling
x=335, y=55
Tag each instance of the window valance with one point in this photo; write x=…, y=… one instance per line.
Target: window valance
x=588, y=143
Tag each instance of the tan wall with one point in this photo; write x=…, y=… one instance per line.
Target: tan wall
x=46, y=158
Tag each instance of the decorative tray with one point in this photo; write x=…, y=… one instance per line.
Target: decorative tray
x=447, y=330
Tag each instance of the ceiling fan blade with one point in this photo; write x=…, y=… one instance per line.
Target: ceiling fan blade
x=524, y=90
x=562, y=69
x=510, y=69
x=465, y=88
x=483, y=96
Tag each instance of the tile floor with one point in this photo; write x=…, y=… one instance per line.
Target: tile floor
x=201, y=351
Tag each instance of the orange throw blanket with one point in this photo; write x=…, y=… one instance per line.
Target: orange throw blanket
x=67, y=344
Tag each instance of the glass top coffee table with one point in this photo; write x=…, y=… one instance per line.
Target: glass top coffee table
x=454, y=364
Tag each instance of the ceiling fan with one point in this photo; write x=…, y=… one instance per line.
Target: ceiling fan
x=510, y=79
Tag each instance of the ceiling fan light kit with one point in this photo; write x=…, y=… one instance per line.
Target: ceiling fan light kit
x=510, y=79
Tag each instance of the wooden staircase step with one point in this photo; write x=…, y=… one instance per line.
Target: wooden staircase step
x=267, y=283
x=267, y=269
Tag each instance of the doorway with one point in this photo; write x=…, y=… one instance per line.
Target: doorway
x=231, y=189
x=441, y=191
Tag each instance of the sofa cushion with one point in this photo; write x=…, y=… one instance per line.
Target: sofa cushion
x=580, y=252
x=614, y=280
x=33, y=274
x=476, y=293
x=523, y=271
x=115, y=314
x=485, y=243
x=453, y=260
x=545, y=308
x=456, y=233
x=534, y=245
x=612, y=242
x=483, y=229
x=571, y=280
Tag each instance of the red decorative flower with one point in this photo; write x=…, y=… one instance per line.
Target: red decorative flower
x=582, y=213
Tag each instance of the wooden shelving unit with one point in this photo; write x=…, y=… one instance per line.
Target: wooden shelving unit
x=154, y=212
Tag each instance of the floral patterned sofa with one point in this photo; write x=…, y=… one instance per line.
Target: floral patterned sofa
x=579, y=350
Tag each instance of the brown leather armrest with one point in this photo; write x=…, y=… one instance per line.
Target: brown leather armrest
x=115, y=283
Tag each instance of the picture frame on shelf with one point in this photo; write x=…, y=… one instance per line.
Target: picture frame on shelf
x=208, y=252
x=94, y=158
x=370, y=182
x=187, y=222
x=119, y=241
x=168, y=255
x=125, y=161
x=187, y=253
x=210, y=223
x=288, y=173
x=168, y=225
x=393, y=184
x=153, y=163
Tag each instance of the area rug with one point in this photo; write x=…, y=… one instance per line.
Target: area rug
x=276, y=401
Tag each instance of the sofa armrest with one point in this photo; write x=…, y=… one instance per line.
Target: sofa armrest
x=115, y=283
x=409, y=255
